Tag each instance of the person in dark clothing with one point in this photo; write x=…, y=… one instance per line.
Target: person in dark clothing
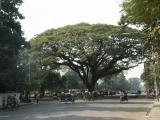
x=125, y=96
x=36, y=98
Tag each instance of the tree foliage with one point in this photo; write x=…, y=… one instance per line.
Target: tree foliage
x=51, y=81
x=116, y=82
x=149, y=75
x=146, y=14
x=11, y=41
x=92, y=51
x=141, y=11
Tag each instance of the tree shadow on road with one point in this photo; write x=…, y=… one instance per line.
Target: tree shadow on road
x=115, y=102
x=90, y=107
x=74, y=117
x=105, y=108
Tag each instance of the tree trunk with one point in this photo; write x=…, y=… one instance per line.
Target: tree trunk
x=90, y=81
x=91, y=86
x=27, y=95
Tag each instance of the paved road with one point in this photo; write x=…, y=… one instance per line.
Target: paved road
x=154, y=113
x=135, y=109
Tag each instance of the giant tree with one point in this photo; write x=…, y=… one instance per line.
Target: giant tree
x=93, y=51
x=11, y=41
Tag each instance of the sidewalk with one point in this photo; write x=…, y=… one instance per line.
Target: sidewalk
x=154, y=112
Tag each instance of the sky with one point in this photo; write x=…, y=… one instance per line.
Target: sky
x=41, y=15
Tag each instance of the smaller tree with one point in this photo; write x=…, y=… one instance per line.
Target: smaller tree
x=24, y=82
x=51, y=81
x=148, y=75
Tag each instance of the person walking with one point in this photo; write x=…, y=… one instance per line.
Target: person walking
x=125, y=96
x=121, y=96
x=37, y=99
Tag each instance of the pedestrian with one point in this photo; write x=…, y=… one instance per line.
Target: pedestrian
x=125, y=96
x=37, y=98
x=121, y=96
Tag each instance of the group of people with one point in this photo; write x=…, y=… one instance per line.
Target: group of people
x=153, y=93
x=123, y=96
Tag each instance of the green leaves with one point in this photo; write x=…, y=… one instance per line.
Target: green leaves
x=141, y=11
x=93, y=51
x=146, y=14
x=11, y=41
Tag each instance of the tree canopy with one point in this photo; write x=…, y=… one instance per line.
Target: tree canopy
x=146, y=14
x=141, y=11
x=92, y=51
x=11, y=41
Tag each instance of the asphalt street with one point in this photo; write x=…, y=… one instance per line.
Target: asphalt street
x=135, y=109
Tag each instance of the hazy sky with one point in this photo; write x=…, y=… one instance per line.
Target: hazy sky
x=41, y=15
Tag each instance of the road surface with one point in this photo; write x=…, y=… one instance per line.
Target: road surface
x=135, y=109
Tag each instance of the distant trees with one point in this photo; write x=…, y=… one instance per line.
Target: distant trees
x=92, y=51
x=116, y=82
x=11, y=41
x=119, y=82
x=73, y=81
x=51, y=81
x=134, y=84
